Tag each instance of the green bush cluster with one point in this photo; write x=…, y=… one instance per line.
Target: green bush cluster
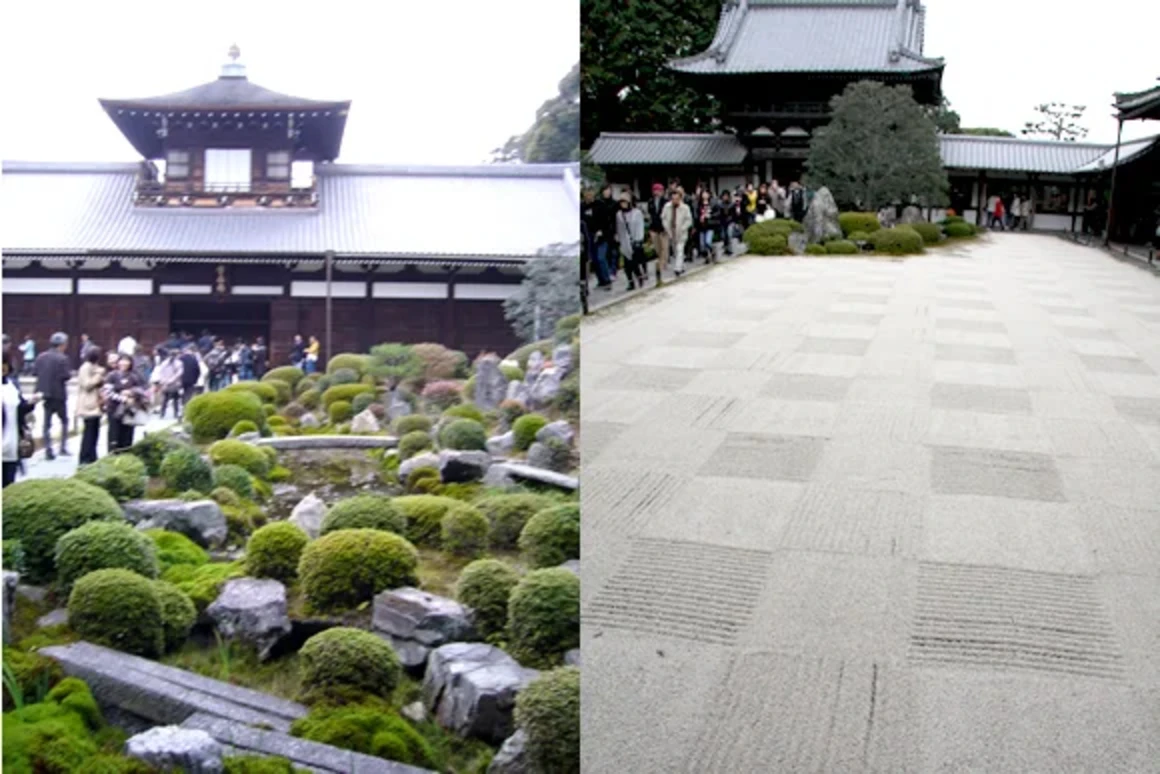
x=268, y=410
x=212, y=415
x=412, y=423
x=567, y=400
x=548, y=711
x=899, y=240
x=552, y=536
x=960, y=229
x=424, y=516
x=370, y=728
x=484, y=586
x=508, y=513
x=100, y=545
x=273, y=551
x=310, y=399
x=364, y=511
x=173, y=548
x=815, y=249
x=258, y=764
x=291, y=375
x=423, y=480
x=464, y=530
x=525, y=428
x=464, y=434
x=267, y=392
x=859, y=236
x=544, y=616
x=184, y=470
x=345, y=393
x=931, y=234
x=414, y=442
x=152, y=450
x=122, y=475
x=853, y=222
x=341, y=570
x=567, y=328
x=37, y=512
x=235, y=479
x=13, y=556
x=344, y=662
x=770, y=237
x=344, y=376
x=841, y=247
x=243, y=427
x=339, y=411
x=954, y=219
x=349, y=361
x=118, y=608
x=250, y=458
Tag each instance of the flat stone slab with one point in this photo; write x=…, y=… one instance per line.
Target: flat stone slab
x=314, y=756
x=498, y=472
x=166, y=695
x=293, y=442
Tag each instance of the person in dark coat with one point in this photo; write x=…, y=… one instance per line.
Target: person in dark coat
x=606, y=210
x=260, y=354
x=797, y=201
x=125, y=400
x=297, y=351
x=591, y=215
x=727, y=216
x=53, y=370
x=190, y=373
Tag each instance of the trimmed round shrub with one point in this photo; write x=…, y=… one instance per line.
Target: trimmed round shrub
x=958, y=229
x=121, y=475
x=291, y=375
x=815, y=249
x=234, y=478
x=345, y=392
x=841, y=247
x=424, y=516
x=225, y=496
x=178, y=613
x=173, y=548
x=310, y=399
x=277, y=422
x=439, y=362
x=246, y=456
x=293, y=411
x=413, y=443
x=442, y=394
x=544, y=616
x=191, y=496
x=953, y=219
x=273, y=551
x=362, y=402
x=345, y=660
x=245, y=426
x=347, y=361
x=897, y=241
x=269, y=410
x=339, y=411
x=152, y=450
x=466, y=434
x=525, y=428
x=931, y=234
x=412, y=423
x=552, y=536
x=323, y=383
x=184, y=470
x=213, y=414
x=465, y=411
x=364, y=511
x=508, y=513
x=464, y=530
x=767, y=244
x=267, y=392
x=484, y=586
x=864, y=222
x=308, y=383
x=120, y=609
x=102, y=545
x=548, y=711
x=371, y=728
x=343, y=569
x=344, y=376
x=37, y=512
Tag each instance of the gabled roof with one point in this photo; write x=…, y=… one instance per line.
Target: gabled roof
x=492, y=210
x=1139, y=104
x=669, y=148
x=1015, y=154
x=840, y=36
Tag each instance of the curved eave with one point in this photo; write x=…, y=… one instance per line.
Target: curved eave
x=931, y=68
x=169, y=106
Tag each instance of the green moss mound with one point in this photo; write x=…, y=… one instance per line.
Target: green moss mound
x=371, y=728
x=173, y=548
x=310, y=399
x=152, y=450
x=235, y=479
x=341, y=570
x=225, y=496
x=413, y=443
x=464, y=530
x=344, y=376
x=120, y=609
x=960, y=230
x=841, y=247
x=484, y=586
x=466, y=411
x=464, y=434
x=345, y=661
x=122, y=475
x=178, y=614
x=423, y=480
x=30, y=674
x=931, y=234
x=899, y=240
x=258, y=764
x=345, y=392
x=815, y=249
x=291, y=375
x=412, y=423
x=865, y=222
x=267, y=392
x=273, y=551
x=349, y=361
x=339, y=411
x=203, y=583
x=246, y=456
x=64, y=734
x=525, y=428
x=243, y=427
x=424, y=516
x=544, y=616
x=548, y=711
x=213, y=414
x=361, y=403
x=552, y=536
x=37, y=512
x=508, y=513
x=100, y=545
x=184, y=470
x=365, y=511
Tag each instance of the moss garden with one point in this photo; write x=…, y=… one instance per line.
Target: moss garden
x=861, y=234
x=286, y=567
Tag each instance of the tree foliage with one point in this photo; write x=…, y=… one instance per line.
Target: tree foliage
x=1058, y=121
x=624, y=84
x=986, y=131
x=555, y=135
x=946, y=121
x=395, y=363
x=549, y=292
x=879, y=148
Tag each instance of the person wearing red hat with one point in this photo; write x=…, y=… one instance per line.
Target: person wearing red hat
x=656, y=228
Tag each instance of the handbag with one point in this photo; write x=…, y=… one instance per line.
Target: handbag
x=25, y=447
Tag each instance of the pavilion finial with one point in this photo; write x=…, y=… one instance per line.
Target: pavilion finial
x=235, y=52
x=234, y=68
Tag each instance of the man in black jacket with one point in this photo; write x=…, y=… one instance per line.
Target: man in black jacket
x=656, y=228
x=797, y=201
x=52, y=374
x=190, y=373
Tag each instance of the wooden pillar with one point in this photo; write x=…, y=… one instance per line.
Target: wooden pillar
x=1112, y=193
x=982, y=206
x=451, y=330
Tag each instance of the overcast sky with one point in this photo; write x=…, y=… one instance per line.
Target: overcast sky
x=1003, y=57
x=432, y=82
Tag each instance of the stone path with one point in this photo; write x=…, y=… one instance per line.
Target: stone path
x=63, y=467
x=866, y=515
x=601, y=299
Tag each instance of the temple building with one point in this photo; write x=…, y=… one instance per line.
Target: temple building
x=238, y=219
x=774, y=65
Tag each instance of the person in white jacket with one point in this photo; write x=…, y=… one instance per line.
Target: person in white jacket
x=677, y=219
x=630, y=236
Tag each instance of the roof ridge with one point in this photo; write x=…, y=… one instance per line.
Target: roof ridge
x=671, y=135
x=1028, y=140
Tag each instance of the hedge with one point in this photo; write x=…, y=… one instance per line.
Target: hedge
x=120, y=609
x=289, y=374
x=464, y=434
x=960, y=230
x=102, y=545
x=815, y=249
x=266, y=391
x=851, y=222
x=345, y=392
x=841, y=247
x=508, y=513
x=766, y=242
x=346, y=568
x=348, y=360
x=931, y=234
x=213, y=414
x=464, y=530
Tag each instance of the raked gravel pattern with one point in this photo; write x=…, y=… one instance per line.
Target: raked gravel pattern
x=852, y=515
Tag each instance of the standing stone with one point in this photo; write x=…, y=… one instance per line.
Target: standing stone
x=518, y=391
x=562, y=357
x=535, y=365
x=252, y=610
x=172, y=747
x=911, y=215
x=512, y=758
x=888, y=217
x=573, y=658
x=471, y=689
x=821, y=221
x=202, y=521
x=11, y=579
x=397, y=407
x=365, y=422
x=308, y=515
x=544, y=389
x=490, y=383
x=552, y=454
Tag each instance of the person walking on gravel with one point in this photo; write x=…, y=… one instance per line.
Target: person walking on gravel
x=630, y=237
x=53, y=370
x=90, y=380
x=678, y=220
x=656, y=228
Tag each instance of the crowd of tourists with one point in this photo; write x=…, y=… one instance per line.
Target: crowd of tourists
x=1009, y=212
x=679, y=227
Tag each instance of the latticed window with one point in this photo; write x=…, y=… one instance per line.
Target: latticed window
x=278, y=165
x=227, y=169
x=177, y=164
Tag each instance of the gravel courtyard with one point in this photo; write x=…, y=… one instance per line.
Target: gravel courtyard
x=865, y=515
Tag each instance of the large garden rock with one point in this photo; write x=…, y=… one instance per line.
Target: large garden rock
x=252, y=610
x=518, y=391
x=53, y=618
x=471, y=689
x=424, y=460
x=507, y=475
x=512, y=758
x=249, y=437
x=552, y=455
x=797, y=241
x=202, y=521
x=457, y=466
x=562, y=357
x=414, y=622
x=11, y=580
x=308, y=420
x=490, y=383
x=888, y=217
x=559, y=429
x=167, y=748
x=308, y=515
x=911, y=215
x=365, y=422
x=821, y=221
x=545, y=387
x=501, y=445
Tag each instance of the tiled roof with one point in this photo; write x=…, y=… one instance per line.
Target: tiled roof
x=677, y=149
x=961, y=151
x=762, y=36
x=1128, y=151
x=495, y=210
x=227, y=93
x=1139, y=104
